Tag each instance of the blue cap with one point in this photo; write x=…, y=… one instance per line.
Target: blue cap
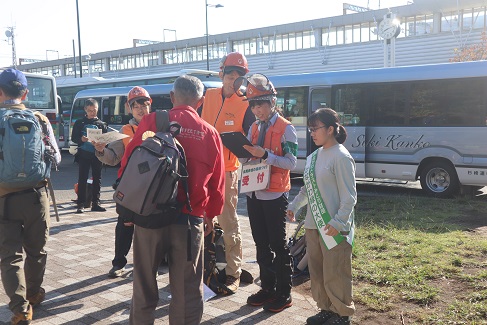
x=9, y=76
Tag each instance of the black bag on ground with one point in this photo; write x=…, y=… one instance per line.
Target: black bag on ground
x=214, y=252
x=147, y=190
x=297, y=248
x=211, y=271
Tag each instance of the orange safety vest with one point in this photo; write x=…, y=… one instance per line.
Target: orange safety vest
x=129, y=130
x=280, y=180
x=225, y=116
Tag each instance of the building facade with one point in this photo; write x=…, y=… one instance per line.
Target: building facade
x=430, y=32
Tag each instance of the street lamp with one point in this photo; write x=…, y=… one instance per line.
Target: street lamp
x=79, y=43
x=47, y=59
x=207, y=36
x=169, y=30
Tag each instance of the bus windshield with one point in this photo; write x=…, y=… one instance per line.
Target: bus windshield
x=41, y=94
x=43, y=97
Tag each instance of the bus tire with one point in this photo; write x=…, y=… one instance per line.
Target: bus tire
x=439, y=179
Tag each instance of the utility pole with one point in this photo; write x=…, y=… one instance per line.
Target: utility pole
x=10, y=33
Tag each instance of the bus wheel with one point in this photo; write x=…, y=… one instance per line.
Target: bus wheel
x=439, y=179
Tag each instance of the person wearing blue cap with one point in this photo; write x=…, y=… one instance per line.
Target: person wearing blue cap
x=24, y=224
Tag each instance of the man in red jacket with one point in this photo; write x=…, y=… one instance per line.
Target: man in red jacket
x=206, y=184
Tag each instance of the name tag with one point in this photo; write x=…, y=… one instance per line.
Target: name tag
x=255, y=177
x=229, y=122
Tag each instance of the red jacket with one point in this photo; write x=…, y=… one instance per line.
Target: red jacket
x=204, y=155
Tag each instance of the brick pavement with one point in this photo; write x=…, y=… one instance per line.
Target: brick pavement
x=80, y=252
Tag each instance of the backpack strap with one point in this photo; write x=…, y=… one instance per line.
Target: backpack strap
x=162, y=121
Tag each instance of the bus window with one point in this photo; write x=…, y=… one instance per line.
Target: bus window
x=113, y=111
x=389, y=103
x=454, y=102
x=161, y=102
x=293, y=102
x=349, y=104
x=320, y=98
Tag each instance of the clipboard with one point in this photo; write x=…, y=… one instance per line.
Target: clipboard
x=235, y=141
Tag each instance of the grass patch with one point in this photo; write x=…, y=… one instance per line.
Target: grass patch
x=414, y=250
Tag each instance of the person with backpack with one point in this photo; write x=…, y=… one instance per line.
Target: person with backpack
x=330, y=192
x=182, y=240
x=229, y=113
x=24, y=209
x=86, y=157
x=139, y=103
x=275, y=145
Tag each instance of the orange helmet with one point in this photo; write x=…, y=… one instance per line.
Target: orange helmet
x=137, y=93
x=234, y=61
x=255, y=87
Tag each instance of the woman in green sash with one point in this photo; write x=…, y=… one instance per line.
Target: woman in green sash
x=329, y=190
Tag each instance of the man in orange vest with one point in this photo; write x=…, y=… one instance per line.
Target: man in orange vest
x=228, y=112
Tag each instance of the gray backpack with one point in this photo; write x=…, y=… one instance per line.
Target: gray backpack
x=147, y=190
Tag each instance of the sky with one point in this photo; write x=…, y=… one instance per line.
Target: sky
x=46, y=29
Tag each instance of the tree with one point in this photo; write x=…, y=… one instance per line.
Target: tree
x=475, y=52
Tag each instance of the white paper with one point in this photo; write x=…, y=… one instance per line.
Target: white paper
x=92, y=132
x=207, y=293
x=106, y=137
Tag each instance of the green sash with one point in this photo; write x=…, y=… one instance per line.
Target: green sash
x=317, y=205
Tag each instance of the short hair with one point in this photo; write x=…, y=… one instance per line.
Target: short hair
x=14, y=90
x=188, y=89
x=91, y=102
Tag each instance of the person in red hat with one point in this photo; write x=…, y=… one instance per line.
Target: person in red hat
x=274, y=150
x=139, y=102
x=227, y=112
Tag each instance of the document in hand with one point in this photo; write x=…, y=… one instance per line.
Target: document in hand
x=235, y=141
x=106, y=137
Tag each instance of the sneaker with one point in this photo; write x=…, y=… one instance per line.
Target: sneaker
x=338, y=320
x=279, y=304
x=80, y=208
x=98, y=208
x=232, y=284
x=320, y=318
x=116, y=272
x=22, y=318
x=261, y=297
x=36, y=299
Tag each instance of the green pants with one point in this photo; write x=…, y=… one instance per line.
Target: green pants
x=24, y=227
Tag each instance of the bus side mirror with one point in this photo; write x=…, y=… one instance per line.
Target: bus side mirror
x=60, y=109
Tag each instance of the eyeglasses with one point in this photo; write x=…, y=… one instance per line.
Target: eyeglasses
x=311, y=130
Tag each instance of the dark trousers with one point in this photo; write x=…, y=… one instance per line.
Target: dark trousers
x=183, y=244
x=268, y=224
x=85, y=161
x=24, y=230
x=123, y=242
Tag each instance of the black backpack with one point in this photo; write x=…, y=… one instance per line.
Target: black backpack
x=297, y=248
x=213, y=252
x=147, y=190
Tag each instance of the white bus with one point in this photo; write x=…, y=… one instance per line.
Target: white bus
x=43, y=97
x=404, y=123
x=67, y=88
x=111, y=103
